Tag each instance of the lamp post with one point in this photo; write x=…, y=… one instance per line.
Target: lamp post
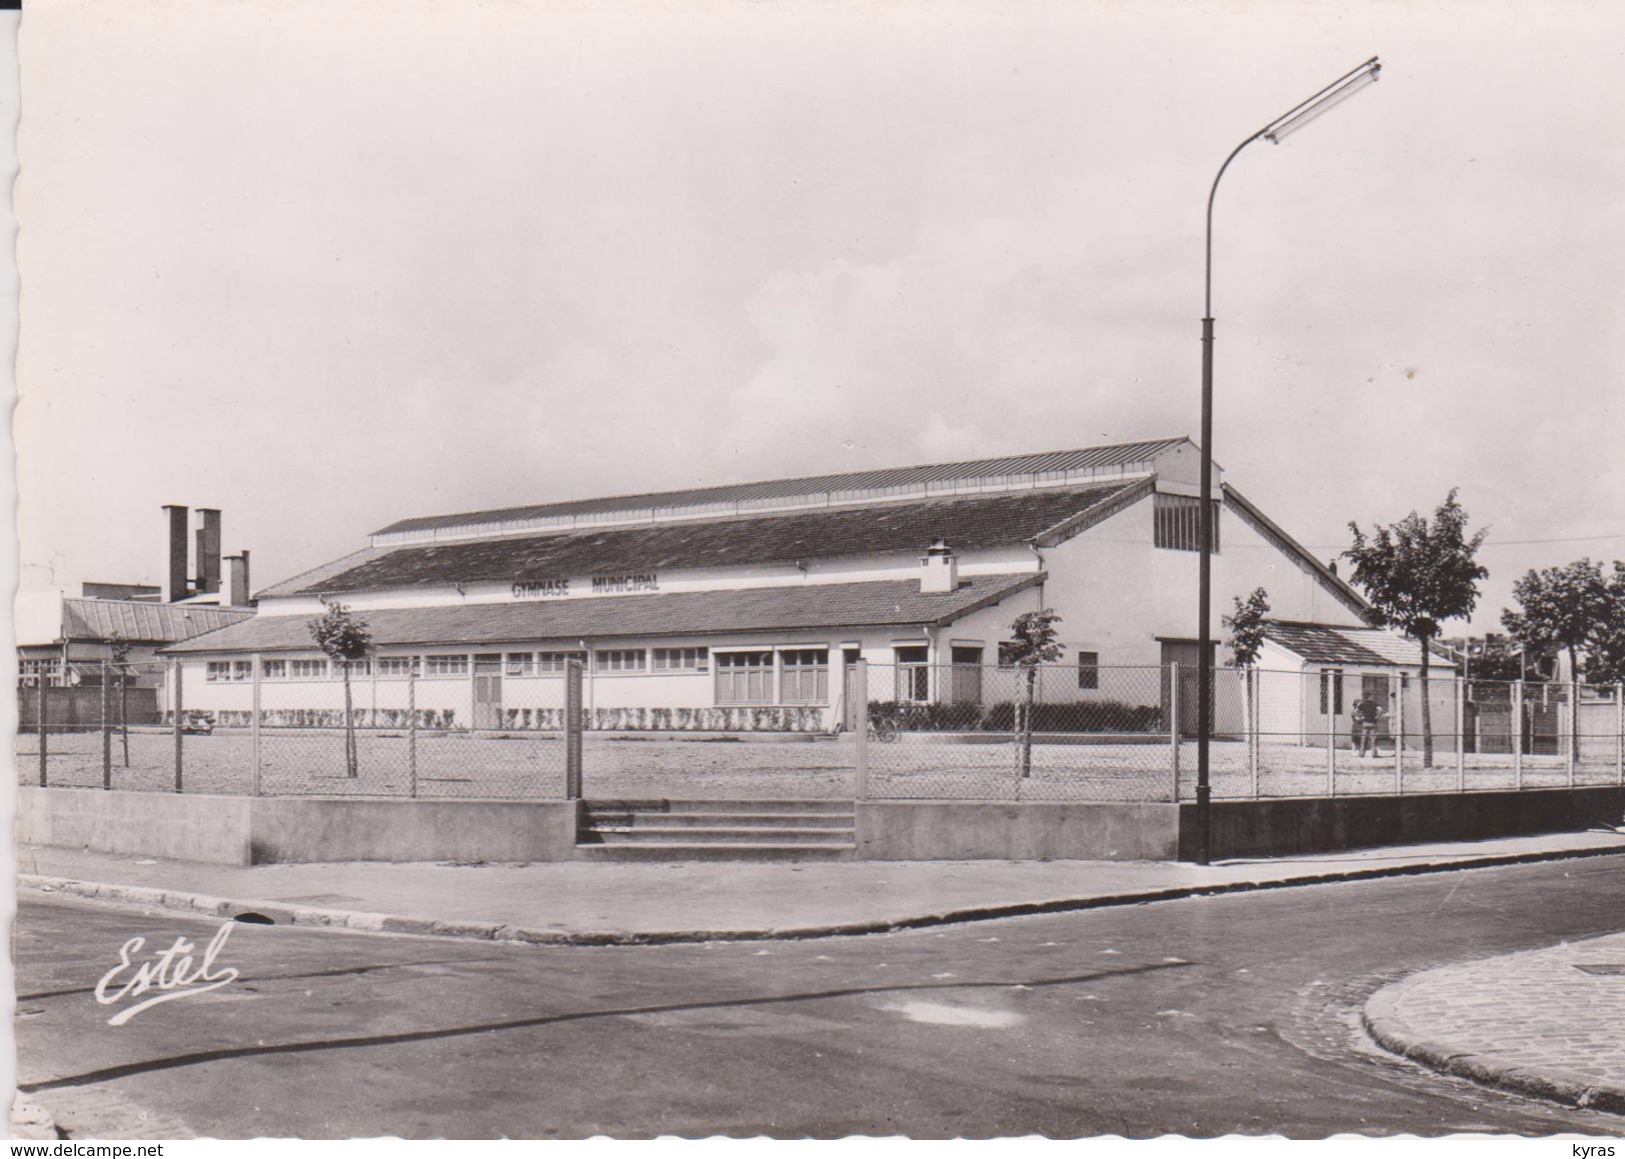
x=1289, y=122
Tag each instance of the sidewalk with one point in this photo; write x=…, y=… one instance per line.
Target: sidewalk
x=1541, y=1022
x=632, y=903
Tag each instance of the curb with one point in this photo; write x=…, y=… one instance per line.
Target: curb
x=284, y=914
x=1382, y=1020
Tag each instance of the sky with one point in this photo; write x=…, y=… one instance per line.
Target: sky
x=329, y=265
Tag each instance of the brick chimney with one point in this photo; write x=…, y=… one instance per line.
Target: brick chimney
x=208, y=550
x=939, y=569
x=239, y=579
x=176, y=585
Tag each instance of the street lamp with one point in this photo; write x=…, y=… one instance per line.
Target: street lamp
x=1283, y=126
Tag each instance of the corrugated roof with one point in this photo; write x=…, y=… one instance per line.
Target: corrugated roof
x=1331, y=644
x=966, y=523
x=800, y=606
x=138, y=621
x=1055, y=464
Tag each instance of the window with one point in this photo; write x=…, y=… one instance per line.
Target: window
x=521, y=663
x=397, y=666
x=622, y=660
x=1331, y=691
x=804, y=676
x=913, y=677
x=446, y=665
x=1088, y=669
x=307, y=669
x=744, y=677
x=1178, y=522
x=552, y=663
x=681, y=659
x=360, y=667
x=229, y=670
x=30, y=671
x=274, y=669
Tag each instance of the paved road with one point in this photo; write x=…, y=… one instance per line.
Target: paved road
x=1201, y=1017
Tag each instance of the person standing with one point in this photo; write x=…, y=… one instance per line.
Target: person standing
x=1364, y=713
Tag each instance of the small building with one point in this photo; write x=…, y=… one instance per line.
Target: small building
x=747, y=606
x=1338, y=665
x=65, y=641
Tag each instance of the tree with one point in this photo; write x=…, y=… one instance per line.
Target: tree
x=1577, y=609
x=119, y=648
x=1247, y=622
x=1491, y=656
x=346, y=639
x=1032, y=643
x=1416, y=574
x=1605, y=648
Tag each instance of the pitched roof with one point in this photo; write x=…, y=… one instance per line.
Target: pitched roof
x=93, y=619
x=816, y=489
x=1330, y=644
x=797, y=606
x=966, y=523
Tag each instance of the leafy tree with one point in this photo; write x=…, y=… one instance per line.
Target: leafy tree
x=1605, y=649
x=345, y=638
x=1416, y=574
x=1247, y=622
x=1032, y=643
x=1488, y=657
x=1576, y=608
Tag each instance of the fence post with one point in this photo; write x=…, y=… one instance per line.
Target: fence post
x=1250, y=674
x=1619, y=732
x=860, y=728
x=107, y=729
x=1461, y=735
x=1173, y=724
x=1399, y=733
x=1328, y=690
x=1517, y=734
x=412, y=726
x=1574, y=733
x=572, y=729
x=176, y=722
x=44, y=731
x=254, y=726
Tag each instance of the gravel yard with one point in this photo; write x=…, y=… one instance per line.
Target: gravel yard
x=917, y=766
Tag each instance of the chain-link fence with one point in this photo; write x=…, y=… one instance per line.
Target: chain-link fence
x=315, y=729
x=793, y=725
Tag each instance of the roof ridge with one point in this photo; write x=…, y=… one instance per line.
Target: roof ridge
x=494, y=514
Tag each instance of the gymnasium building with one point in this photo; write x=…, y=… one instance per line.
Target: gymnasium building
x=739, y=607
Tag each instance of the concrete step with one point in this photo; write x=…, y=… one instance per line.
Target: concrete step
x=638, y=819
x=716, y=834
x=726, y=851
x=719, y=805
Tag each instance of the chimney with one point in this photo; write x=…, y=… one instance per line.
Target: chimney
x=1332, y=564
x=239, y=579
x=939, y=569
x=208, y=550
x=176, y=585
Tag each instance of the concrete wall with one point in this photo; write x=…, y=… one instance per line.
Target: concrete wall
x=169, y=825
x=253, y=830
x=973, y=830
x=1312, y=825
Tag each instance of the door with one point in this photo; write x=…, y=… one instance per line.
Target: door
x=488, y=690
x=1184, y=653
x=1376, y=688
x=851, y=694
x=966, y=684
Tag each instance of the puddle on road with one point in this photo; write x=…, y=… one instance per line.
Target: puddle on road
x=942, y=1014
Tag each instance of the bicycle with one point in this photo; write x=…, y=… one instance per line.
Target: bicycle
x=883, y=729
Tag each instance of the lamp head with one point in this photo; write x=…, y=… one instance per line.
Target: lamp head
x=1328, y=98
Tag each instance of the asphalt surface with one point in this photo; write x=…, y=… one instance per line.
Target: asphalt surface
x=1234, y=1014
